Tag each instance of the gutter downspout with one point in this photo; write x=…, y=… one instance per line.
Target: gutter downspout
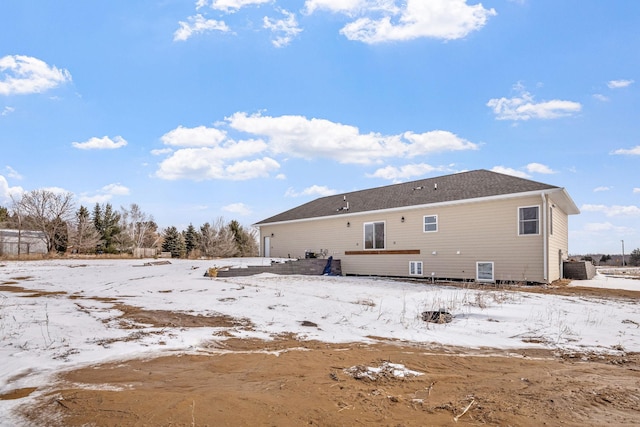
x=545, y=243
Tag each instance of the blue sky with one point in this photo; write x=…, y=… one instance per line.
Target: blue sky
x=241, y=109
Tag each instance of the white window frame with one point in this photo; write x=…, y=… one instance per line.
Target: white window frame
x=493, y=271
x=416, y=268
x=424, y=223
x=364, y=235
x=521, y=221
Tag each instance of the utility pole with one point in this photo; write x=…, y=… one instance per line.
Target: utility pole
x=622, y=252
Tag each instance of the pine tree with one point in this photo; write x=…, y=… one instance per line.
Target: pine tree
x=4, y=214
x=634, y=258
x=107, y=222
x=173, y=242
x=190, y=239
x=246, y=243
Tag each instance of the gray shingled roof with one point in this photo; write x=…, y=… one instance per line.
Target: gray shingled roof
x=459, y=186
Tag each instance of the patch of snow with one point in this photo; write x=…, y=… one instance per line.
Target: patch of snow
x=612, y=280
x=74, y=319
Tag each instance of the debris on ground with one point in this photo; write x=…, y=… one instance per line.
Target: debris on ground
x=439, y=316
x=386, y=370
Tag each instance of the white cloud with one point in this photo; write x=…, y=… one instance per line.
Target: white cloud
x=161, y=151
x=281, y=176
x=405, y=172
x=104, y=143
x=286, y=29
x=198, y=24
x=21, y=75
x=212, y=163
x=436, y=141
x=233, y=5
x=250, y=169
x=116, y=190
x=351, y=7
x=310, y=138
x=636, y=190
x=441, y=19
x=617, y=84
x=105, y=194
x=614, y=210
x=600, y=97
x=7, y=110
x=237, y=208
x=6, y=192
x=635, y=151
x=601, y=189
x=510, y=171
x=206, y=153
x=56, y=190
x=605, y=227
x=539, y=168
x=314, y=190
x=12, y=173
x=97, y=198
x=524, y=107
x=200, y=136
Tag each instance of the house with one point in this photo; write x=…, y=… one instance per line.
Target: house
x=476, y=225
x=22, y=242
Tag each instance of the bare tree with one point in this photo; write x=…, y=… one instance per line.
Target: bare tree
x=217, y=240
x=48, y=212
x=83, y=236
x=139, y=227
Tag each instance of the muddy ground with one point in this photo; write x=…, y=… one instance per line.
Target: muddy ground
x=287, y=382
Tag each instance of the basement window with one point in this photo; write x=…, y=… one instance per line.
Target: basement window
x=484, y=271
x=374, y=235
x=415, y=268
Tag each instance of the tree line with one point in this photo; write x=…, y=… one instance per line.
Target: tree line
x=116, y=231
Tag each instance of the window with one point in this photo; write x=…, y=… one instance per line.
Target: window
x=529, y=220
x=374, y=235
x=551, y=220
x=430, y=223
x=484, y=271
x=415, y=268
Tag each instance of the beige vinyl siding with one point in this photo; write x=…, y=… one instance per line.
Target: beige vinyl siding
x=558, y=241
x=467, y=233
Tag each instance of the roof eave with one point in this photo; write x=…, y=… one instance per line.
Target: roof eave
x=567, y=207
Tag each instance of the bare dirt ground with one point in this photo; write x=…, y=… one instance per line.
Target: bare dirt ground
x=287, y=382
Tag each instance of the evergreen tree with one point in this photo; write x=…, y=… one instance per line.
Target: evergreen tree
x=246, y=243
x=634, y=258
x=173, y=242
x=190, y=239
x=107, y=222
x=4, y=214
x=605, y=258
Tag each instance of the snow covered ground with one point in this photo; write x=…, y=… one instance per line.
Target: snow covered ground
x=72, y=320
x=613, y=278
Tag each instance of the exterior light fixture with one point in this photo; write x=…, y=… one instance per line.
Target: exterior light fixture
x=348, y=224
x=434, y=253
x=271, y=234
x=402, y=219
